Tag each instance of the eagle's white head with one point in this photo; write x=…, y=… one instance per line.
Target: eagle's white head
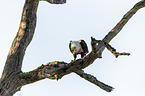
x=76, y=47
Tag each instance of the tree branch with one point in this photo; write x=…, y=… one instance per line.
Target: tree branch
x=109, y=47
x=55, y=70
x=121, y=24
x=94, y=80
x=55, y=1
x=123, y=21
x=22, y=39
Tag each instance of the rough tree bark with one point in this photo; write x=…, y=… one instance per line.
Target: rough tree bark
x=13, y=78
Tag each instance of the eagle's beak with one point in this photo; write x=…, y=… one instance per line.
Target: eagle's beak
x=73, y=49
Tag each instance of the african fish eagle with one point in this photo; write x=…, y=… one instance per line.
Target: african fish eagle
x=78, y=47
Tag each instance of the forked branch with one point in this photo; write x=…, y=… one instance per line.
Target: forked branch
x=56, y=70
x=109, y=47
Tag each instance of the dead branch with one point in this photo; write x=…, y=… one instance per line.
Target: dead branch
x=110, y=48
x=55, y=1
x=94, y=80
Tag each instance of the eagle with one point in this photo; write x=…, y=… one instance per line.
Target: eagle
x=78, y=47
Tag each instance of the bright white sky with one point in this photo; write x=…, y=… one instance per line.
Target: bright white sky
x=79, y=19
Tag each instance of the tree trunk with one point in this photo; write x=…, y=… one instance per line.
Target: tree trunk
x=12, y=70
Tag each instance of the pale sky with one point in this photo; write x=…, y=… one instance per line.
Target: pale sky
x=79, y=19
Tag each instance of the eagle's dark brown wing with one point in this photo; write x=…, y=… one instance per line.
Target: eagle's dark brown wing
x=84, y=46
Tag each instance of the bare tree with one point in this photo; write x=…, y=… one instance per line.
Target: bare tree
x=13, y=78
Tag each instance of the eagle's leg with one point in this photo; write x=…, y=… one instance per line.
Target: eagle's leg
x=75, y=56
